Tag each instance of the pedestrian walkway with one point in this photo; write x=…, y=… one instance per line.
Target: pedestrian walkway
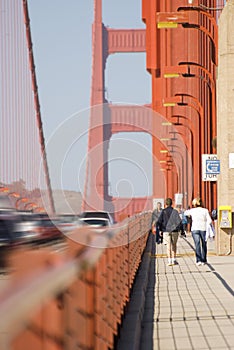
x=189, y=306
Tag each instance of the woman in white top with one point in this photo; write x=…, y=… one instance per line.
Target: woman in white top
x=200, y=219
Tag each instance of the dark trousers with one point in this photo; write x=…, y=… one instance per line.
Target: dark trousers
x=158, y=238
x=199, y=238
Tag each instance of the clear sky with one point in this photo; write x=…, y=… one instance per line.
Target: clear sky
x=61, y=35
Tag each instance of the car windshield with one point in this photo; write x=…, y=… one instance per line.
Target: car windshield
x=97, y=214
x=96, y=222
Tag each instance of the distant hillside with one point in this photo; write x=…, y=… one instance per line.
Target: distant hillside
x=64, y=201
x=67, y=201
x=23, y=199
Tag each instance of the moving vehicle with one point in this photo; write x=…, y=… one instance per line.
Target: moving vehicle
x=35, y=228
x=97, y=215
x=18, y=228
x=95, y=222
x=8, y=220
x=68, y=222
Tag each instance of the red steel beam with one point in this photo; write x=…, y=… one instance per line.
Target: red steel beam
x=126, y=40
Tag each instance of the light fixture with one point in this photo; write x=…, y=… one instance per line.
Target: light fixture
x=169, y=104
x=171, y=20
x=167, y=123
x=165, y=139
x=171, y=75
x=168, y=24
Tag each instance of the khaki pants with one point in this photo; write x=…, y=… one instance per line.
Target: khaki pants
x=171, y=238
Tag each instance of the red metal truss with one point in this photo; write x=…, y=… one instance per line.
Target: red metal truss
x=180, y=41
x=107, y=119
x=181, y=49
x=126, y=40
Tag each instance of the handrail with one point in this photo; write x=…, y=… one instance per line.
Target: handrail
x=27, y=297
x=91, y=283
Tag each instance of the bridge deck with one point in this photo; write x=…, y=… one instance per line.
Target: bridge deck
x=186, y=306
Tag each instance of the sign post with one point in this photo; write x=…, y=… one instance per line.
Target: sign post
x=156, y=200
x=210, y=167
x=178, y=198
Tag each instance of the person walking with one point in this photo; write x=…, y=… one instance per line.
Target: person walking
x=200, y=221
x=169, y=224
x=183, y=221
x=155, y=216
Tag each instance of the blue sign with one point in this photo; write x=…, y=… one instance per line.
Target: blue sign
x=212, y=166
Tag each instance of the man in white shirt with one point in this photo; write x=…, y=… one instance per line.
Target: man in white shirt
x=200, y=220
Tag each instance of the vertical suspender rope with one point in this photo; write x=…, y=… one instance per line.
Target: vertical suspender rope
x=37, y=104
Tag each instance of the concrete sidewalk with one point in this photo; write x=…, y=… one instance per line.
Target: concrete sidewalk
x=189, y=306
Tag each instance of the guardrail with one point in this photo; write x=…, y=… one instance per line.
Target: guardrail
x=74, y=299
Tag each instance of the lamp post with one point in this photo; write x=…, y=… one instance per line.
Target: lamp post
x=181, y=169
x=210, y=121
x=197, y=17
x=197, y=22
x=178, y=123
x=178, y=100
x=182, y=178
x=169, y=166
x=203, y=139
x=200, y=111
x=189, y=174
x=187, y=146
x=181, y=172
x=187, y=69
x=191, y=17
x=211, y=126
x=184, y=70
x=171, y=178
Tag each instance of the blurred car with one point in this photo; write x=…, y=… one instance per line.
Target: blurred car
x=39, y=228
x=68, y=222
x=95, y=222
x=8, y=221
x=5, y=243
x=97, y=215
x=18, y=227
x=5, y=234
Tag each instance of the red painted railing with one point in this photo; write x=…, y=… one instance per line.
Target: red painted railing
x=74, y=297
